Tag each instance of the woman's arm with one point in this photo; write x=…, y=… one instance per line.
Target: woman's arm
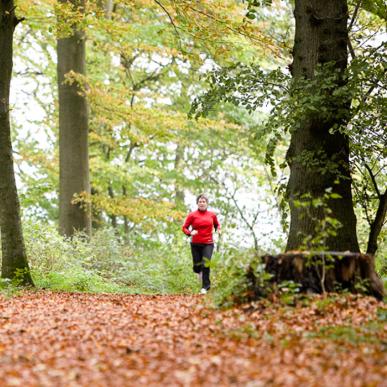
x=186, y=225
x=216, y=224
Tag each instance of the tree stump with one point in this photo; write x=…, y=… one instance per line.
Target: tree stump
x=319, y=272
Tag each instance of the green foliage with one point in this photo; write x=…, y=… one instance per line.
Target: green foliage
x=9, y=288
x=317, y=209
x=381, y=265
x=377, y=7
x=161, y=269
x=237, y=276
x=228, y=281
x=288, y=291
x=105, y=263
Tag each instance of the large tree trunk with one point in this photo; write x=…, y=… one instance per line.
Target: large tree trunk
x=14, y=260
x=321, y=37
x=73, y=134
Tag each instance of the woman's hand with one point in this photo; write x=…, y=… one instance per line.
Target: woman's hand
x=194, y=232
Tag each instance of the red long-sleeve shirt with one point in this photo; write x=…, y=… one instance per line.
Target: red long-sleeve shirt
x=203, y=222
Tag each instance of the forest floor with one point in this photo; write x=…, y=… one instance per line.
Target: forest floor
x=78, y=339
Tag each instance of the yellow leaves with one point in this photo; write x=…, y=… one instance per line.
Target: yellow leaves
x=217, y=26
x=69, y=16
x=148, y=212
x=26, y=7
x=219, y=23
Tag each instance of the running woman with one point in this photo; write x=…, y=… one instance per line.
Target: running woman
x=199, y=225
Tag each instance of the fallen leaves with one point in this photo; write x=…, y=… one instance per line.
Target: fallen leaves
x=75, y=339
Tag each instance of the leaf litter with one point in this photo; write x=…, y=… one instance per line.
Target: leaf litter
x=79, y=339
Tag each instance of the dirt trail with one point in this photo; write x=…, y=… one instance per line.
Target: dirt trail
x=67, y=339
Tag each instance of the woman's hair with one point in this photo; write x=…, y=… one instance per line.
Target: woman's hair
x=201, y=196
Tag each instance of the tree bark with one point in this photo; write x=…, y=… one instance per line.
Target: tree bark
x=73, y=133
x=321, y=37
x=14, y=259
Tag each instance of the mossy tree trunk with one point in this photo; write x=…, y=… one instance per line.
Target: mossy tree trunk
x=14, y=259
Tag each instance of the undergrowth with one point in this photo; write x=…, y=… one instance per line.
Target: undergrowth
x=104, y=263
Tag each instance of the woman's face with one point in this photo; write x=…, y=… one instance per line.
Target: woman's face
x=202, y=204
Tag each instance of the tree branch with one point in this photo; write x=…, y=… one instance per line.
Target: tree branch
x=355, y=12
x=377, y=224
x=373, y=179
x=171, y=20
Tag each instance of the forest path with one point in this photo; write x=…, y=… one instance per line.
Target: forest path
x=77, y=339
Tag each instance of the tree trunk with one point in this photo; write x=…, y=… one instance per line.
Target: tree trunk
x=96, y=215
x=319, y=272
x=14, y=259
x=179, y=191
x=126, y=222
x=321, y=37
x=73, y=134
x=112, y=217
x=107, y=6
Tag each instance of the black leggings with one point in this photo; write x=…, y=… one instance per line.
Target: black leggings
x=200, y=253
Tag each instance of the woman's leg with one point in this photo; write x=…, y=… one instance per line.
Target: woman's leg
x=207, y=255
x=197, y=257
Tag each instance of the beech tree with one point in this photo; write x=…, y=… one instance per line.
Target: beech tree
x=319, y=159
x=14, y=260
x=73, y=125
